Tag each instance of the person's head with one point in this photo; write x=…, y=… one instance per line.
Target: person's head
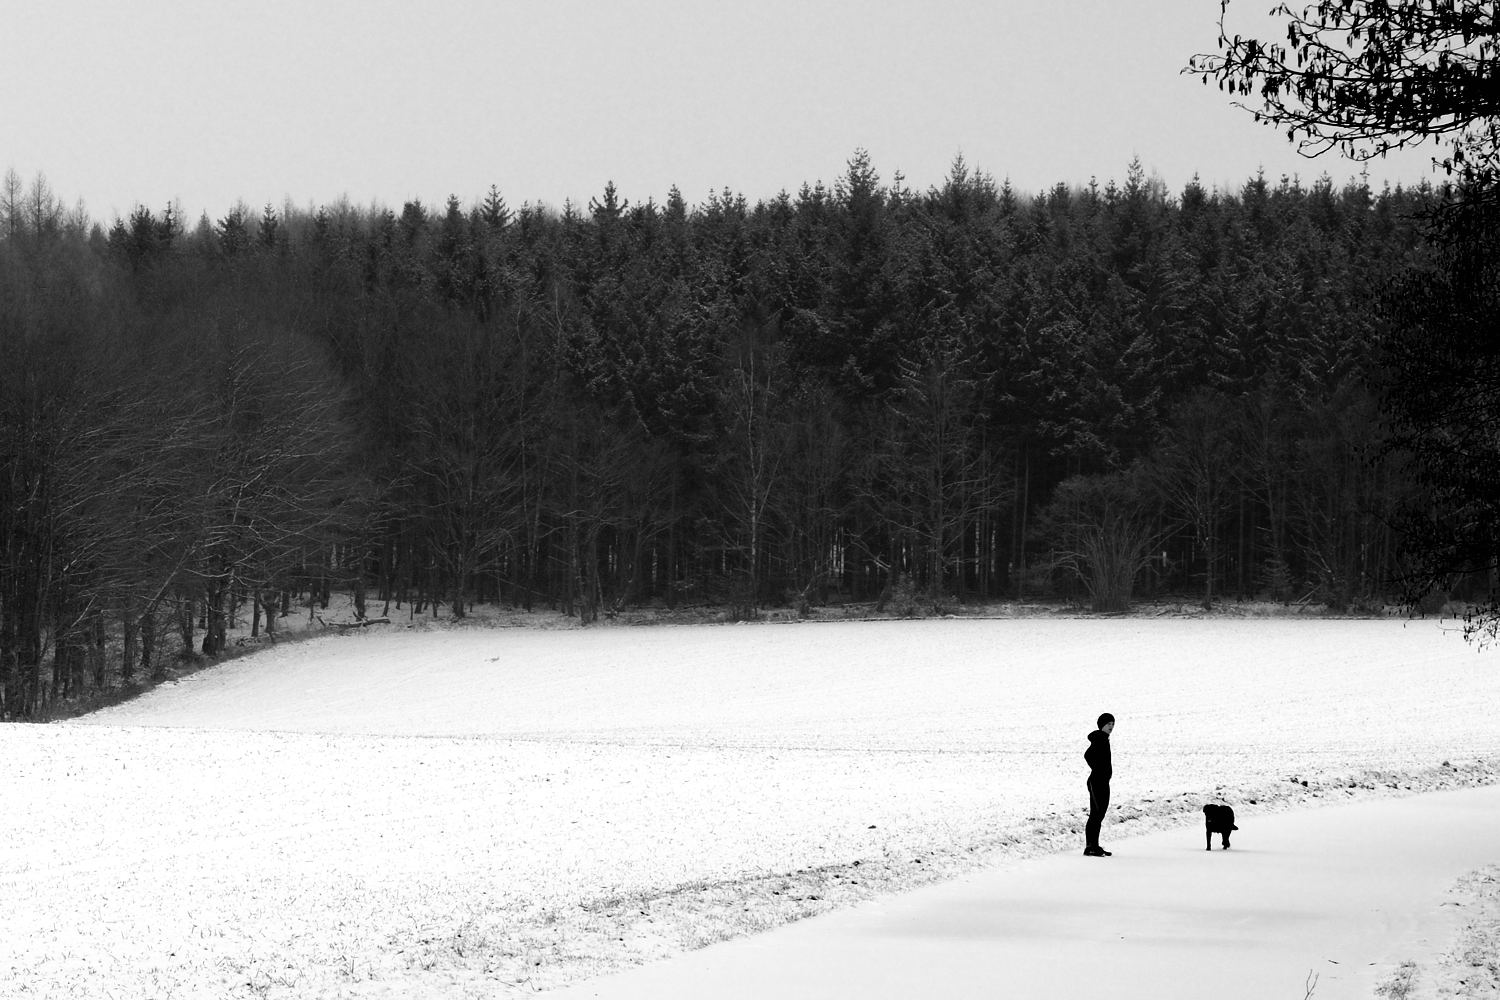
x=1107, y=723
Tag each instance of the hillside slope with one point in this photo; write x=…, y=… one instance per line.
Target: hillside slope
x=446, y=813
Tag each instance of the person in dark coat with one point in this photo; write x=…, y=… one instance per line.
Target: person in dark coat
x=1101, y=769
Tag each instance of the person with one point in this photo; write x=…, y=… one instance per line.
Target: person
x=1101, y=769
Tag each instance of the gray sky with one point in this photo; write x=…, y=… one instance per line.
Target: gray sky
x=120, y=103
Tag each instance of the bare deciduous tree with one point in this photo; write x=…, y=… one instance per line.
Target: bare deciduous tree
x=1104, y=530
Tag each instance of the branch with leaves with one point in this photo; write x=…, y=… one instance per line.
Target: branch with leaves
x=1364, y=77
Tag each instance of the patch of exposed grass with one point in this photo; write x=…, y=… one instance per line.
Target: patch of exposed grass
x=1472, y=969
x=1400, y=983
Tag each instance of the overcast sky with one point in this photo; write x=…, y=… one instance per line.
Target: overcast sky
x=125, y=103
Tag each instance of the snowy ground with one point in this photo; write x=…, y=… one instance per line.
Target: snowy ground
x=1306, y=898
x=466, y=812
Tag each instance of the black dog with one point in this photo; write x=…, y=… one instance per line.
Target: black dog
x=1220, y=820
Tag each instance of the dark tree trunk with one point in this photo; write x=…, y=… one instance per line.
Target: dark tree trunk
x=130, y=627
x=151, y=664
x=214, y=621
x=31, y=660
x=96, y=652
x=185, y=611
x=269, y=601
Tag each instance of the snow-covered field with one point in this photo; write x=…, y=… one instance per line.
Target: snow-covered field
x=471, y=812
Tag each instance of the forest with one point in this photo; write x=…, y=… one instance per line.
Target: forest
x=854, y=393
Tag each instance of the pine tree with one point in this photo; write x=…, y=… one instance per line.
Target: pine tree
x=268, y=233
x=233, y=232
x=494, y=212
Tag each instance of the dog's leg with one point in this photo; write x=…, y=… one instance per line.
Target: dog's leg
x=1208, y=840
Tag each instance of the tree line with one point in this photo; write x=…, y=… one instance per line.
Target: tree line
x=855, y=392
x=1366, y=77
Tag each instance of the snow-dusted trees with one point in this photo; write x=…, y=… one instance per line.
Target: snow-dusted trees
x=66, y=453
x=469, y=425
x=814, y=497
x=749, y=468
x=1193, y=471
x=786, y=401
x=1364, y=78
x=934, y=474
x=155, y=449
x=271, y=488
x=1442, y=395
